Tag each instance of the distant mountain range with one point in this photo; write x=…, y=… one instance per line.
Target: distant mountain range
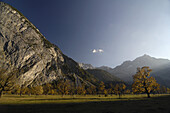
x=160, y=69
x=104, y=76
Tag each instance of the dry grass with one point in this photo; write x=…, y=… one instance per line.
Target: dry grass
x=84, y=104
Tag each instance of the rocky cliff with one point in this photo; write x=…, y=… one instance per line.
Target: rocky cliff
x=86, y=66
x=34, y=59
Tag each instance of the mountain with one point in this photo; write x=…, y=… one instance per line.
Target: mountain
x=104, y=76
x=25, y=52
x=100, y=74
x=106, y=68
x=160, y=69
x=86, y=66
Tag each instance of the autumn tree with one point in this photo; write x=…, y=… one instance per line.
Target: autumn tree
x=168, y=90
x=101, y=88
x=120, y=89
x=48, y=89
x=63, y=87
x=127, y=91
x=7, y=82
x=22, y=89
x=81, y=90
x=37, y=90
x=91, y=90
x=162, y=90
x=29, y=90
x=143, y=83
x=111, y=89
x=72, y=89
x=105, y=92
x=19, y=89
x=16, y=89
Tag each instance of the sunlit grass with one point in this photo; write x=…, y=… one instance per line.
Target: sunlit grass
x=39, y=99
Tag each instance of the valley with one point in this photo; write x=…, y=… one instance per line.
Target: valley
x=84, y=104
x=36, y=76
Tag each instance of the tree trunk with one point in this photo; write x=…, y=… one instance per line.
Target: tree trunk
x=146, y=90
x=148, y=95
x=20, y=93
x=119, y=95
x=0, y=94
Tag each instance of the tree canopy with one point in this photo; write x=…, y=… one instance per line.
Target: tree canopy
x=143, y=82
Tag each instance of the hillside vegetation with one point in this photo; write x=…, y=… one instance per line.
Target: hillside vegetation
x=104, y=75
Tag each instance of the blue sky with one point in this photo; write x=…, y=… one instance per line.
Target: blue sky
x=102, y=32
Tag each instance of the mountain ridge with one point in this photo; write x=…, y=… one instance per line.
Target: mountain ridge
x=36, y=61
x=104, y=76
x=160, y=69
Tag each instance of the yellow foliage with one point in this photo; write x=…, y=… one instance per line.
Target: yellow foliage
x=101, y=87
x=143, y=83
x=63, y=87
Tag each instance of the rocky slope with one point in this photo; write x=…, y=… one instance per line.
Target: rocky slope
x=25, y=51
x=104, y=76
x=86, y=66
x=101, y=74
x=106, y=68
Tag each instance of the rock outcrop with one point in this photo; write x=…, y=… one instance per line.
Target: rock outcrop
x=26, y=51
x=86, y=66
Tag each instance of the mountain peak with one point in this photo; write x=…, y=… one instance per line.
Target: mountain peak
x=145, y=55
x=127, y=69
x=25, y=51
x=86, y=66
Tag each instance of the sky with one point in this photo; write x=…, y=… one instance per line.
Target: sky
x=102, y=32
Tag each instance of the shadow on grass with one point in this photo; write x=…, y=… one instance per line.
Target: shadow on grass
x=144, y=105
x=77, y=99
x=85, y=98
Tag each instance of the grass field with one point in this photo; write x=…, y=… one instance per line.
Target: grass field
x=84, y=104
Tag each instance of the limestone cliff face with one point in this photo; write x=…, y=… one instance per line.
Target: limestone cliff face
x=86, y=66
x=24, y=49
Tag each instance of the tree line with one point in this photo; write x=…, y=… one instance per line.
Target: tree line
x=142, y=83
x=65, y=87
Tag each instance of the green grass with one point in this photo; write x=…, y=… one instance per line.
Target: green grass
x=16, y=99
x=84, y=104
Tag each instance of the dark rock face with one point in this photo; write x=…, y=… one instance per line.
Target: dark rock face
x=25, y=49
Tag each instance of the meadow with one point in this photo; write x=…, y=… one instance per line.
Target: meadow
x=84, y=104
